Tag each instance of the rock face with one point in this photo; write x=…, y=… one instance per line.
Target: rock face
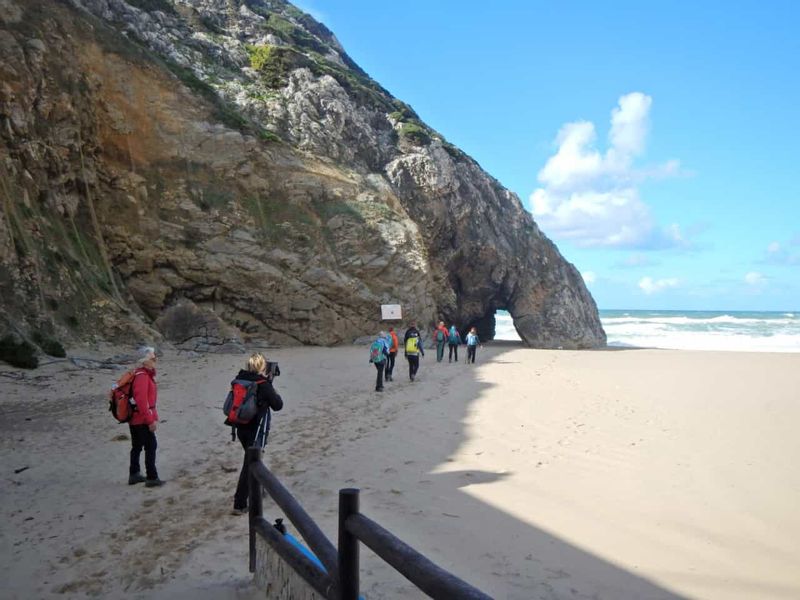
x=197, y=330
x=225, y=163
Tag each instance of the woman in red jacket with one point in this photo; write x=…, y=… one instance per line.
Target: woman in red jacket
x=145, y=420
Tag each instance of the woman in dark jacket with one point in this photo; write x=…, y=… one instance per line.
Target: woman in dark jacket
x=267, y=398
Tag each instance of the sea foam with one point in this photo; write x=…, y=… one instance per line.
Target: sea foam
x=691, y=330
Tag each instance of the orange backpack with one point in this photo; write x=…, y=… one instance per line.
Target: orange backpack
x=120, y=398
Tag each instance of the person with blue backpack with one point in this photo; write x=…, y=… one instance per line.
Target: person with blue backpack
x=393, y=344
x=453, y=341
x=472, y=345
x=378, y=355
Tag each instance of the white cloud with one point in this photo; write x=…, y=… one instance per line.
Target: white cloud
x=592, y=198
x=650, y=286
x=589, y=276
x=774, y=247
x=754, y=278
x=629, y=124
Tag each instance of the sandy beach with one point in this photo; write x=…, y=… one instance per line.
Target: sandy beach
x=533, y=474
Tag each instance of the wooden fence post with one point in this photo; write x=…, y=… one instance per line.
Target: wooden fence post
x=348, y=546
x=256, y=511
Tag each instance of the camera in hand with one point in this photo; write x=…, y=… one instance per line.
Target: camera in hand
x=273, y=369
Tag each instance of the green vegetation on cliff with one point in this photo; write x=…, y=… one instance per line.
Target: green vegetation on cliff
x=273, y=63
x=416, y=133
x=410, y=127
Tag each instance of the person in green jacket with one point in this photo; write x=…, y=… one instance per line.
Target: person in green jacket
x=441, y=340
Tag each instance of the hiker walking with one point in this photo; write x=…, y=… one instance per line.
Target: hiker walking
x=453, y=341
x=441, y=340
x=472, y=345
x=254, y=432
x=378, y=355
x=392, y=354
x=413, y=347
x=144, y=422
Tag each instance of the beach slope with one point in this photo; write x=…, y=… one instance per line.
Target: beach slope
x=533, y=474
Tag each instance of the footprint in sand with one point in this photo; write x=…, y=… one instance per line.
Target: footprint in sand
x=557, y=574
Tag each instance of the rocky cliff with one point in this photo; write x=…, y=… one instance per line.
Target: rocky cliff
x=219, y=170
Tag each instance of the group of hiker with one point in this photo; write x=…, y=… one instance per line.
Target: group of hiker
x=133, y=399
x=383, y=349
x=452, y=339
x=247, y=410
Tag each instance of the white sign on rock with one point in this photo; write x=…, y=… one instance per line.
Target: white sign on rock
x=391, y=312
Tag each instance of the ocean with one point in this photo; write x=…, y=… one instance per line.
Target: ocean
x=691, y=330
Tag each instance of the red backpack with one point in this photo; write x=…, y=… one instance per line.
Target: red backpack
x=241, y=403
x=120, y=398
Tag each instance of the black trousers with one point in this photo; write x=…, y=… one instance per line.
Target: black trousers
x=390, y=364
x=247, y=435
x=142, y=437
x=379, y=367
x=453, y=350
x=413, y=365
x=471, y=353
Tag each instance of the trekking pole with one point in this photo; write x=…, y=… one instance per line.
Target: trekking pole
x=263, y=430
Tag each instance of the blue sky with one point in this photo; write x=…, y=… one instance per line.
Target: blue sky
x=655, y=143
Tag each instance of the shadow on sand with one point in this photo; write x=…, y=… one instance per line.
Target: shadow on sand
x=433, y=510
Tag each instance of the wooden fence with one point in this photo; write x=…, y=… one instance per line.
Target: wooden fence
x=338, y=579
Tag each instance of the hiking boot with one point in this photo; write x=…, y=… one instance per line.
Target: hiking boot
x=136, y=478
x=154, y=482
x=380, y=389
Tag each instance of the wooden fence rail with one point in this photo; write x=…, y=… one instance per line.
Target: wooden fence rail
x=299, y=562
x=339, y=577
